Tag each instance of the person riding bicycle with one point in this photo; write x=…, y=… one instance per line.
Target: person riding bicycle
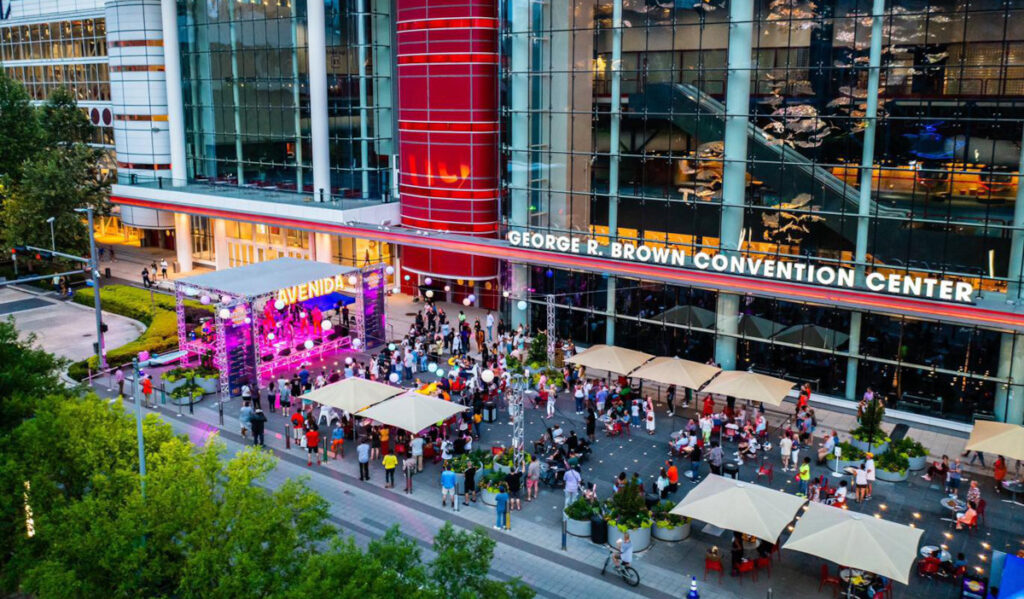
x=624, y=555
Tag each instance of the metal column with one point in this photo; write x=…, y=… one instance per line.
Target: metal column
x=614, y=159
x=175, y=100
x=364, y=134
x=519, y=214
x=867, y=170
x=236, y=93
x=734, y=170
x=316, y=36
x=297, y=97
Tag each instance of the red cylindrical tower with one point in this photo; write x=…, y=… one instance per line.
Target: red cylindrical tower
x=448, y=129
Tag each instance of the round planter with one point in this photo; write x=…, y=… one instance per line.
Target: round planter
x=891, y=477
x=845, y=464
x=460, y=483
x=501, y=468
x=577, y=528
x=863, y=446
x=172, y=385
x=641, y=537
x=918, y=463
x=488, y=497
x=208, y=384
x=671, y=535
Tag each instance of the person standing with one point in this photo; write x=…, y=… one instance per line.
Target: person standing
x=999, y=472
x=695, y=458
x=514, y=481
x=469, y=484
x=869, y=467
x=805, y=477
x=591, y=424
x=246, y=393
x=532, y=479
x=285, y=387
x=501, y=507
x=490, y=326
x=670, y=398
x=953, y=477
x=572, y=485
x=785, y=450
x=390, y=462
x=448, y=480
x=860, y=482
x=578, y=395
x=119, y=379
x=147, y=390
x=715, y=458
x=312, y=445
x=258, y=424
x=363, y=455
x=551, y=402
x=245, y=418
x=409, y=468
x=145, y=278
x=416, y=445
x=163, y=267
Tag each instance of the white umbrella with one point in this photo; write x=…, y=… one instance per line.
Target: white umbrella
x=676, y=371
x=855, y=540
x=611, y=358
x=999, y=438
x=352, y=394
x=812, y=335
x=412, y=411
x=744, y=507
x=750, y=386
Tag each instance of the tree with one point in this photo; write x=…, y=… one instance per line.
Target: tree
x=19, y=128
x=55, y=183
x=62, y=122
x=462, y=565
x=27, y=373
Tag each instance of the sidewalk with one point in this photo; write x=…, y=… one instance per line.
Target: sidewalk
x=129, y=260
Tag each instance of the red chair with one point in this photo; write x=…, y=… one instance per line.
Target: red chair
x=766, y=470
x=746, y=567
x=713, y=565
x=928, y=567
x=829, y=580
x=764, y=563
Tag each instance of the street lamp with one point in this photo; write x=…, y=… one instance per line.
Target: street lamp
x=95, y=266
x=53, y=240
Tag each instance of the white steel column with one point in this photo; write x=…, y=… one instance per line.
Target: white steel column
x=613, y=160
x=297, y=97
x=220, y=243
x=519, y=195
x=322, y=247
x=175, y=101
x=183, y=240
x=316, y=34
x=364, y=125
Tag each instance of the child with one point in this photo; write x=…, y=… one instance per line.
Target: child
x=635, y=413
x=650, y=422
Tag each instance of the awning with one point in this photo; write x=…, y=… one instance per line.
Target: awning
x=750, y=386
x=412, y=411
x=676, y=371
x=998, y=438
x=856, y=540
x=353, y=394
x=610, y=358
x=744, y=507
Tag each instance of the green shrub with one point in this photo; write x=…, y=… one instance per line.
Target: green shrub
x=908, y=448
x=491, y=481
x=538, y=350
x=627, y=509
x=850, y=453
x=661, y=513
x=581, y=509
x=137, y=304
x=160, y=337
x=891, y=461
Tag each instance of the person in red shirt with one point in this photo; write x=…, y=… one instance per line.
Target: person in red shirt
x=147, y=391
x=804, y=398
x=312, y=446
x=673, y=476
x=298, y=423
x=709, y=405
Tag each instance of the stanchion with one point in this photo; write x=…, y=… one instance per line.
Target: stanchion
x=564, y=532
x=287, y=437
x=220, y=412
x=191, y=402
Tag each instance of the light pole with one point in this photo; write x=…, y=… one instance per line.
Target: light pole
x=94, y=264
x=138, y=425
x=53, y=240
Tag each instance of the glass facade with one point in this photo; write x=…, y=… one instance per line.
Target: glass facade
x=616, y=127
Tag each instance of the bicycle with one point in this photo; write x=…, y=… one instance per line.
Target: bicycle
x=628, y=574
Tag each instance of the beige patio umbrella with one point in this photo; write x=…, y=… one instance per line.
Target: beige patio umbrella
x=750, y=386
x=676, y=371
x=611, y=358
x=812, y=335
x=856, y=540
x=998, y=438
x=352, y=394
x=691, y=316
x=758, y=327
x=412, y=411
x=744, y=507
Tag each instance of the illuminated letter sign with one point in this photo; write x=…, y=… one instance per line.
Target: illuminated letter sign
x=5, y=9
x=305, y=291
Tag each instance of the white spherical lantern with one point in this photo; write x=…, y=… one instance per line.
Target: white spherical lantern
x=393, y=377
x=279, y=304
x=428, y=281
x=225, y=313
x=356, y=343
x=440, y=373
x=505, y=294
x=466, y=302
x=302, y=314
x=391, y=347
x=308, y=344
x=205, y=300
x=389, y=270
x=191, y=291
x=397, y=290
x=487, y=376
x=430, y=293
x=225, y=299
x=521, y=305
x=248, y=320
x=326, y=325
x=432, y=367
x=270, y=336
x=447, y=287
x=352, y=280
x=406, y=277
x=348, y=360
x=472, y=297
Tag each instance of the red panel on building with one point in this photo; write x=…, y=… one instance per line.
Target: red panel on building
x=448, y=128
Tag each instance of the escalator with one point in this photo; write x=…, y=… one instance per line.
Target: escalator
x=782, y=169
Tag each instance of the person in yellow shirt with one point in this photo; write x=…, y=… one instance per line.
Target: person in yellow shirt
x=805, y=477
x=390, y=462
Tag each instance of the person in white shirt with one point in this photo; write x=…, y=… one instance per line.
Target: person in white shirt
x=860, y=481
x=839, y=499
x=785, y=449
x=490, y=326
x=869, y=468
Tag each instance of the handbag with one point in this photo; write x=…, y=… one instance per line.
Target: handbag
x=303, y=442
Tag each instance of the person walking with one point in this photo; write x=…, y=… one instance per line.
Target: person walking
x=501, y=507
x=258, y=424
x=670, y=398
x=552, y=392
x=409, y=468
x=119, y=379
x=363, y=455
x=999, y=472
x=805, y=477
x=572, y=485
x=390, y=462
x=715, y=458
x=448, y=479
x=145, y=278
x=245, y=418
x=695, y=459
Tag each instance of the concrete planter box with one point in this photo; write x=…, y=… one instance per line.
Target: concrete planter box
x=488, y=497
x=208, y=384
x=171, y=385
x=460, y=483
x=876, y=448
x=891, y=477
x=578, y=528
x=641, y=537
x=918, y=463
x=671, y=535
x=499, y=468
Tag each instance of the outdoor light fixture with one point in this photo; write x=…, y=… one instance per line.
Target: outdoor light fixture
x=428, y=281
x=225, y=313
x=326, y=325
x=308, y=344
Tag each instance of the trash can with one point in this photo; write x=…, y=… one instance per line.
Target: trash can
x=731, y=470
x=651, y=499
x=490, y=412
x=106, y=272
x=598, y=530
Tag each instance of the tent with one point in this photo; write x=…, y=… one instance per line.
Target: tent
x=352, y=394
x=676, y=371
x=750, y=386
x=999, y=438
x=412, y=411
x=855, y=540
x=744, y=507
x=610, y=358
x=812, y=335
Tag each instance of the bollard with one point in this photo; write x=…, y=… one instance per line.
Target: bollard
x=220, y=412
x=325, y=459
x=179, y=407
x=191, y=402
x=163, y=397
x=287, y=437
x=564, y=532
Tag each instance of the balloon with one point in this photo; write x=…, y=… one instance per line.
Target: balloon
x=430, y=293
x=406, y=277
x=326, y=325
x=487, y=376
x=308, y=344
x=191, y=292
x=270, y=336
x=391, y=347
x=521, y=305
x=390, y=270
x=205, y=300
x=225, y=313
x=248, y=320
x=348, y=360
x=466, y=302
x=432, y=367
x=352, y=280
x=279, y=304
x=397, y=290
x=505, y=293
x=302, y=314
x=225, y=299
x=428, y=281
x=440, y=372
x=393, y=377
x=356, y=343
x=447, y=287
x=472, y=297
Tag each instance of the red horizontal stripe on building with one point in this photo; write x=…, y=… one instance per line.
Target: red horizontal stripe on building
x=136, y=44
x=433, y=225
x=467, y=23
x=467, y=57
x=143, y=167
x=137, y=68
x=449, y=126
x=458, y=194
